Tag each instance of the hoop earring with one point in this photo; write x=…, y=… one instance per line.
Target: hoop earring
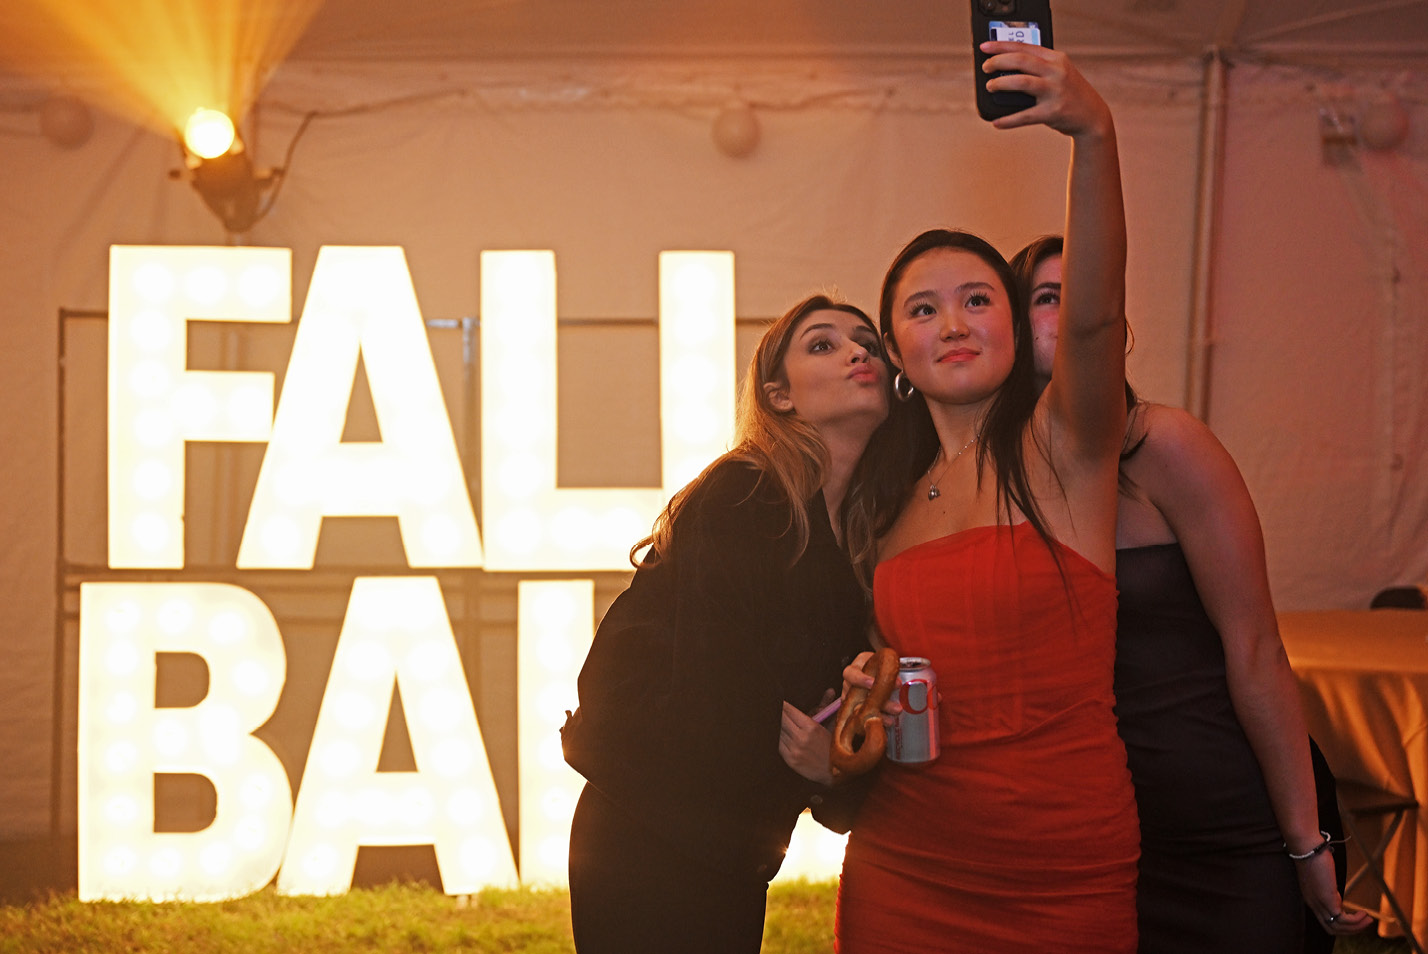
x=903, y=388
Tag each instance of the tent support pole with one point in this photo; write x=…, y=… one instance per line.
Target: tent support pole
x=1212, y=145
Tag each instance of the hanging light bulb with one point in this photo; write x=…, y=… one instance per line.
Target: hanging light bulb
x=208, y=133
x=736, y=130
x=1384, y=123
x=66, y=121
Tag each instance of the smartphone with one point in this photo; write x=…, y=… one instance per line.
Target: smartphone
x=1025, y=21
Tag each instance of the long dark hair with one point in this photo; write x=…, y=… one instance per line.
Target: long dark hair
x=913, y=440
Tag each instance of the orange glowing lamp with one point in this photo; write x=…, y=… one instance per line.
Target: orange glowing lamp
x=209, y=133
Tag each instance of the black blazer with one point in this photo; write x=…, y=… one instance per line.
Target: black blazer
x=682, y=694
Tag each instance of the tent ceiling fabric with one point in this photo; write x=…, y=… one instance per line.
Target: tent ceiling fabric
x=1318, y=31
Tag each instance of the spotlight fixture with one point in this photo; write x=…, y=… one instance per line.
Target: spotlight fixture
x=222, y=172
x=230, y=187
x=209, y=133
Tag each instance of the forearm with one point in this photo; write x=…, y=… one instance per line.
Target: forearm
x=1095, y=256
x=1087, y=389
x=1266, y=701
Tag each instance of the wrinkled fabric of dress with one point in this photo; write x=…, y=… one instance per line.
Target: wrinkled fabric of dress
x=1022, y=835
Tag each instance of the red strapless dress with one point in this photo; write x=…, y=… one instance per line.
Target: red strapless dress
x=1023, y=835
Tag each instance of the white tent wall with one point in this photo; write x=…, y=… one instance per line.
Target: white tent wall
x=609, y=165
x=1320, y=337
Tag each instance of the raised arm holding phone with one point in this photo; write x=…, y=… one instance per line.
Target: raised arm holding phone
x=998, y=567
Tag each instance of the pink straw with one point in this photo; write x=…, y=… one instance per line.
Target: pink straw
x=832, y=707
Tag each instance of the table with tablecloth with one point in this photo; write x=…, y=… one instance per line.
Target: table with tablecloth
x=1364, y=681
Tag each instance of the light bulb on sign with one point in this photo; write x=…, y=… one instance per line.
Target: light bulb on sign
x=156, y=403
x=309, y=473
x=373, y=664
x=118, y=758
x=553, y=616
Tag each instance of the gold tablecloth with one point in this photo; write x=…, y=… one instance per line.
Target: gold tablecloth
x=1364, y=681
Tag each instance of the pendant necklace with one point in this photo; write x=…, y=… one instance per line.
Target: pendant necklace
x=932, y=492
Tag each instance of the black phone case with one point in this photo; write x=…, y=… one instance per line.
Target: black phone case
x=991, y=105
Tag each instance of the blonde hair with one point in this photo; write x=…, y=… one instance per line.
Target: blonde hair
x=784, y=447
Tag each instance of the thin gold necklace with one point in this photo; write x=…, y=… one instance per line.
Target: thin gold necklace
x=932, y=492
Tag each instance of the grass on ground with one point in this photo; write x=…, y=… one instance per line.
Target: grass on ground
x=399, y=918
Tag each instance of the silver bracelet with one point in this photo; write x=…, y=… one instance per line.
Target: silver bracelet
x=1322, y=846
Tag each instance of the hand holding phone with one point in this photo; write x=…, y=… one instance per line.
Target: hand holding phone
x=1022, y=21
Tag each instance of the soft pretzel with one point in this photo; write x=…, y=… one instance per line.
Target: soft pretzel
x=861, y=716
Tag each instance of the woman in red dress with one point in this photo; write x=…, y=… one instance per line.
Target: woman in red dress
x=999, y=568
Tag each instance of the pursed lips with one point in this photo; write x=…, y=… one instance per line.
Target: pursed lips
x=864, y=372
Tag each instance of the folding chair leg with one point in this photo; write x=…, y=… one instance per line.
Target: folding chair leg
x=1375, y=869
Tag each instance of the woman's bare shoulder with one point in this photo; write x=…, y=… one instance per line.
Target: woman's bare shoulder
x=1168, y=434
x=1180, y=461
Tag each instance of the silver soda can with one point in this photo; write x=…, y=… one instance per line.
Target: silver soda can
x=914, y=735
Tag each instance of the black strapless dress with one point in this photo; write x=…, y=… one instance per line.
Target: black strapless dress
x=1214, y=876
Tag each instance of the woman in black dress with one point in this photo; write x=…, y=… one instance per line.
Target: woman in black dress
x=1231, y=846
x=693, y=730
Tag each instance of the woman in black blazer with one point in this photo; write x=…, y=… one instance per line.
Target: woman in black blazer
x=693, y=729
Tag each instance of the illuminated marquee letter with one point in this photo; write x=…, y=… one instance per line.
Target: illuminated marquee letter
x=555, y=626
x=396, y=632
x=530, y=523
x=696, y=362
x=124, y=741
x=155, y=403
x=361, y=302
x=814, y=852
